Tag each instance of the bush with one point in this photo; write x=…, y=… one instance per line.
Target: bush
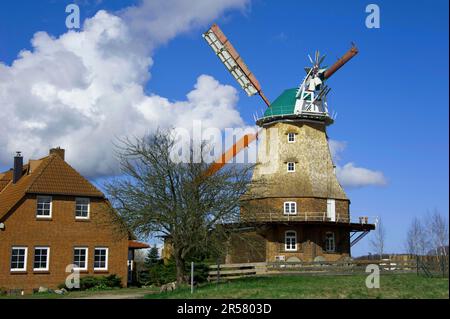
x=98, y=283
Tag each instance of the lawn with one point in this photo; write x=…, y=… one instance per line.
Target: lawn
x=312, y=287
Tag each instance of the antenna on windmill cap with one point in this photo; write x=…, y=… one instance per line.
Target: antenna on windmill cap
x=233, y=62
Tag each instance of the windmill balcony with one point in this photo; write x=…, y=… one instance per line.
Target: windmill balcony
x=312, y=217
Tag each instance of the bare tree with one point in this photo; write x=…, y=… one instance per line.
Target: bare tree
x=158, y=197
x=438, y=232
x=417, y=242
x=378, y=240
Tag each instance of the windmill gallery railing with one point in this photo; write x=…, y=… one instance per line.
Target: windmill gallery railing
x=314, y=217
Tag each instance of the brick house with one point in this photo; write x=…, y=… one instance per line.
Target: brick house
x=52, y=217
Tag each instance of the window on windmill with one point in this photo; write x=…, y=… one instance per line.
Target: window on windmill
x=330, y=245
x=291, y=166
x=290, y=208
x=291, y=137
x=290, y=240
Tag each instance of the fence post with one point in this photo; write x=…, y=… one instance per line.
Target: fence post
x=218, y=270
x=417, y=264
x=192, y=277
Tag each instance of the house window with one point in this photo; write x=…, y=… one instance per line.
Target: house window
x=19, y=259
x=44, y=207
x=290, y=240
x=291, y=167
x=82, y=208
x=41, y=258
x=101, y=259
x=290, y=208
x=291, y=137
x=80, y=257
x=330, y=245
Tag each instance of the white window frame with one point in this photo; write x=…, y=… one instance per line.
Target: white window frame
x=333, y=241
x=286, y=248
x=289, y=137
x=24, y=261
x=289, y=207
x=47, y=261
x=106, y=259
x=88, y=208
x=86, y=262
x=293, y=165
x=37, y=206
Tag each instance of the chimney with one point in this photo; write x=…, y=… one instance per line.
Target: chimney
x=18, y=167
x=58, y=151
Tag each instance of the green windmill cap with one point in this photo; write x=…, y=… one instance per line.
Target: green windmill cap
x=283, y=105
x=283, y=108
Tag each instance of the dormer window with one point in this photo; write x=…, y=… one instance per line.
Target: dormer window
x=291, y=166
x=291, y=137
x=82, y=208
x=44, y=207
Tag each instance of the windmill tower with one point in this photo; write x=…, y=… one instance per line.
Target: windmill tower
x=303, y=213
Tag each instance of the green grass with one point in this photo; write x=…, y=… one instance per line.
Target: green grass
x=312, y=287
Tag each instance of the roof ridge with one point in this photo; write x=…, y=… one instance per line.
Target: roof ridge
x=50, y=159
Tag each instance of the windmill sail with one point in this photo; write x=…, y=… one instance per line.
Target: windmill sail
x=233, y=61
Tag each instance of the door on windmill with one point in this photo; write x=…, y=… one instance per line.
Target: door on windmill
x=331, y=209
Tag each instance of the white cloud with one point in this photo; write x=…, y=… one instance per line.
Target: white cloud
x=82, y=90
x=336, y=148
x=350, y=175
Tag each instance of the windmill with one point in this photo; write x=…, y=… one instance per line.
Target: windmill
x=310, y=97
x=306, y=198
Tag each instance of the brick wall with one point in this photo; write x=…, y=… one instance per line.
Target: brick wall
x=62, y=233
x=310, y=244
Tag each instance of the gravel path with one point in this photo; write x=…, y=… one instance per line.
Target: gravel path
x=125, y=295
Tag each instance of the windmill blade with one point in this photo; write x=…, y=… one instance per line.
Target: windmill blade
x=310, y=59
x=233, y=62
x=339, y=63
x=243, y=143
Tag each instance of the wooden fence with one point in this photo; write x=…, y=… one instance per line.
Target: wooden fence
x=233, y=271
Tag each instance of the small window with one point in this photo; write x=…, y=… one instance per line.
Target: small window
x=19, y=259
x=291, y=167
x=80, y=257
x=41, y=258
x=291, y=240
x=101, y=259
x=290, y=208
x=82, y=208
x=44, y=207
x=291, y=137
x=330, y=245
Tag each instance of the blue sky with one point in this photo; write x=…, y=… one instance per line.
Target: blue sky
x=391, y=99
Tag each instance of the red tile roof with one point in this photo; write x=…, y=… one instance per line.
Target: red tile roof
x=137, y=245
x=50, y=175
